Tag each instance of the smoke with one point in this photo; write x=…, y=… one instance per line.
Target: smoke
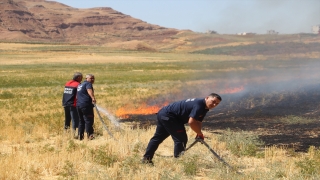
x=287, y=88
x=266, y=86
x=283, y=16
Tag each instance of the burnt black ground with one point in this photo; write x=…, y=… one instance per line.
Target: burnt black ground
x=264, y=118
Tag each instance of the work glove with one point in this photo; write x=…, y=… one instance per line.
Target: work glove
x=199, y=137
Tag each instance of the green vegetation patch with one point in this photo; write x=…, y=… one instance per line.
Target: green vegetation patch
x=310, y=166
x=263, y=49
x=242, y=143
x=297, y=120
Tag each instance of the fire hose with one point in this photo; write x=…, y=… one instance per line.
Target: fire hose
x=103, y=123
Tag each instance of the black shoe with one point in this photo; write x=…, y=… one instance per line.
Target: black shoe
x=147, y=161
x=81, y=137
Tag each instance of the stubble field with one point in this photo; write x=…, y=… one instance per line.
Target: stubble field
x=266, y=127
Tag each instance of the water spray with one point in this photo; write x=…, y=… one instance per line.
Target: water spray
x=103, y=123
x=112, y=118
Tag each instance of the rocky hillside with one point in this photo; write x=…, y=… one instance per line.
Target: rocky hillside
x=49, y=21
x=43, y=21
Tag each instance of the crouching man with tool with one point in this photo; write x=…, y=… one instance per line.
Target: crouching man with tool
x=85, y=104
x=171, y=120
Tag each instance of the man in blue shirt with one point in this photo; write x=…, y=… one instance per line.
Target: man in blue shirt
x=85, y=104
x=171, y=120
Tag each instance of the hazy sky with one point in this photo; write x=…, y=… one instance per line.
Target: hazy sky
x=223, y=16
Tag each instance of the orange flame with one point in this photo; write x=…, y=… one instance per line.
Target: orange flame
x=232, y=90
x=143, y=109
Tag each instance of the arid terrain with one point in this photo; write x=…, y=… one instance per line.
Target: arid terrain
x=39, y=21
x=52, y=22
x=269, y=85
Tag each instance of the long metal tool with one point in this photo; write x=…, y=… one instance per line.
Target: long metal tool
x=192, y=144
x=103, y=123
x=213, y=152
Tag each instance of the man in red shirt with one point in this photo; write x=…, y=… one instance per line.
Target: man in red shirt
x=69, y=103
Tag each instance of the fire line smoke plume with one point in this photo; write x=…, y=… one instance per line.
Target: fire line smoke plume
x=145, y=109
x=283, y=84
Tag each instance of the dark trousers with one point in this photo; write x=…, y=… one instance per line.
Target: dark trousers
x=165, y=128
x=70, y=113
x=86, y=120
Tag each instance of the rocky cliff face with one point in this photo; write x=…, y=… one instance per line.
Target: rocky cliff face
x=48, y=21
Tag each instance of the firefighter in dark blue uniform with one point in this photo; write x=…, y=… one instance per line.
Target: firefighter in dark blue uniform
x=171, y=120
x=85, y=104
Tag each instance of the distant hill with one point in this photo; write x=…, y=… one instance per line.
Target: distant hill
x=48, y=21
x=40, y=21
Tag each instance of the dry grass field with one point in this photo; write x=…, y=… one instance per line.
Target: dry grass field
x=246, y=130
